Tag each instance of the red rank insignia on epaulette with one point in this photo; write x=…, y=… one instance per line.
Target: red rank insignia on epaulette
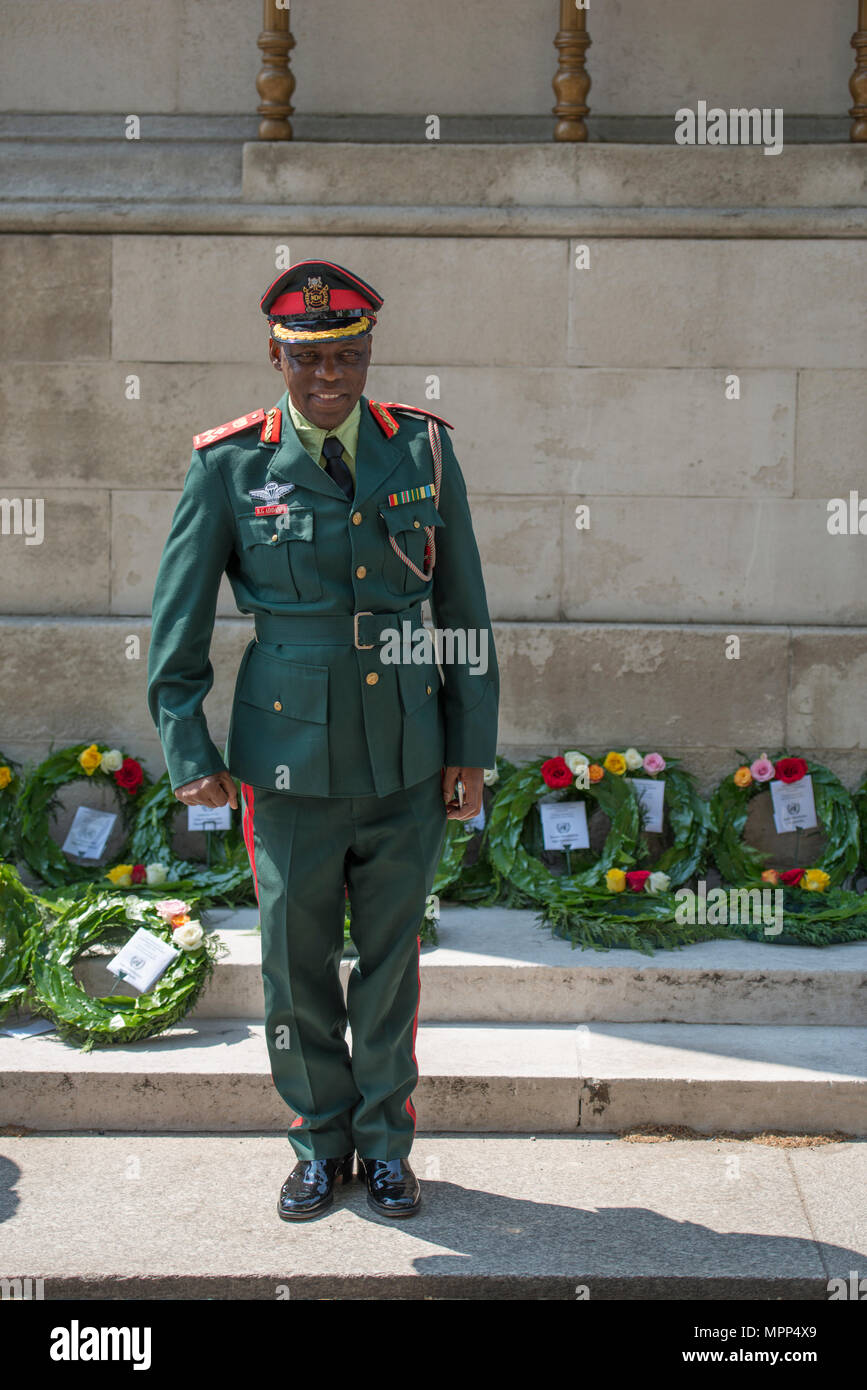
x=413, y=410
x=270, y=431
x=384, y=419
x=243, y=422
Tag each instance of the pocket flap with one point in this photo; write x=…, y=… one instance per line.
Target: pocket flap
x=418, y=684
x=410, y=516
x=285, y=687
x=294, y=525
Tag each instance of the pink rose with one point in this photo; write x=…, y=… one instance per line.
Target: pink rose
x=762, y=769
x=171, y=907
x=653, y=763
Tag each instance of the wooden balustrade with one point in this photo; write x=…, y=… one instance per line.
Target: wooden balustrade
x=275, y=83
x=571, y=81
x=858, y=80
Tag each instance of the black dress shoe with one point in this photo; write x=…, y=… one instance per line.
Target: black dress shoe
x=392, y=1186
x=309, y=1188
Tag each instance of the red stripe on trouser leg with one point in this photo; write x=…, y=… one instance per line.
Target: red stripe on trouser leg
x=299, y=1120
x=247, y=823
x=410, y=1108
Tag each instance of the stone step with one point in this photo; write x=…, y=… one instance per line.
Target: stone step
x=561, y=1217
x=495, y=965
x=213, y=1074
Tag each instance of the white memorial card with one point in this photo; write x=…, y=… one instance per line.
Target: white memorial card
x=794, y=806
x=89, y=832
x=209, y=817
x=564, y=825
x=143, y=959
x=29, y=1030
x=651, y=800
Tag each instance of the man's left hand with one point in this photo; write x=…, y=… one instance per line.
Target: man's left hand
x=473, y=779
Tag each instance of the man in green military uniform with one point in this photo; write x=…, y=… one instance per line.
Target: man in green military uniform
x=334, y=518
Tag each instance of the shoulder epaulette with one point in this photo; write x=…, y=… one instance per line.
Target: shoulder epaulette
x=382, y=414
x=243, y=422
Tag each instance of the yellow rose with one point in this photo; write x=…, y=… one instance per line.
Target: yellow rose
x=5, y=776
x=770, y=876
x=90, y=759
x=615, y=762
x=615, y=880
x=121, y=875
x=742, y=777
x=815, y=880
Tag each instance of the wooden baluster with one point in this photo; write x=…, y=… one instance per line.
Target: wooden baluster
x=571, y=82
x=275, y=83
x=858, y=80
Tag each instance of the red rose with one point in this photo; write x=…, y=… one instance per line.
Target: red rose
x=556, y=774
x=636, y=879
x=792, y=876
x=139, y=873
x=129, y=776
x=790, y=769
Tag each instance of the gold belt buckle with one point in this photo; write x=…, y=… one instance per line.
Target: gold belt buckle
x=361, y=646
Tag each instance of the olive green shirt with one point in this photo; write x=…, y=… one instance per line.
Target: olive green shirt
x=313, y=438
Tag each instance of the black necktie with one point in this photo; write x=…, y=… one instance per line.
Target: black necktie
x=336, y=468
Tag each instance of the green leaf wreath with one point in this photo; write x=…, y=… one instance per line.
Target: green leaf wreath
x=226, y=879
x=10, y=786
x=39, y=798
x=71, y=929
x=514, y=839
x=740, y=863
x=20, y=928
x=456, y=879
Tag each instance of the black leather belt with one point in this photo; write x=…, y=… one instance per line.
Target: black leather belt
x=361, y=630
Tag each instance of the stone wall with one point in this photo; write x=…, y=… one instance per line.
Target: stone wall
x=603, y=387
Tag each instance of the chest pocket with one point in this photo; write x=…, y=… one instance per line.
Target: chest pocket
x=406, y=523
x=279, y=554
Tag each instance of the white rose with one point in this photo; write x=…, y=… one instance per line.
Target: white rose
x=189, y=937
x=658, y=883
x=575, y=762
x=491, y=776
x=156, y=873
x=112, y=761
x=633, y=759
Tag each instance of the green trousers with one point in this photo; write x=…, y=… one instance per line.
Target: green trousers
x=302, y=850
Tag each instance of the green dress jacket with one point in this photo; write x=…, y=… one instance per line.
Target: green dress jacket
x=328, y=701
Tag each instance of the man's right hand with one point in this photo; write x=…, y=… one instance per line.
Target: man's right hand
x=214, y=790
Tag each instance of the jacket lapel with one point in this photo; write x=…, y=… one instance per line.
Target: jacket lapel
x=377, y=456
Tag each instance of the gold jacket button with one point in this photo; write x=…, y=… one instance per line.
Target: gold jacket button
x=274, y=537
x=361, y=572
x=416, y=524
x=356, y=518
x=277, y=704
x=371, y=678
x=427, y=690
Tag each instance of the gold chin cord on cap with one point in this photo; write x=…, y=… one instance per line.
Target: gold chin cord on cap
x=437, y=451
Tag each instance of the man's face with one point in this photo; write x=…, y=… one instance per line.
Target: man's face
x=324, y=380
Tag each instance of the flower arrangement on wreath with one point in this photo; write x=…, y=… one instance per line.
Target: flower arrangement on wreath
x=72, y=928
x=836, y=813
x=38, y=798
x=10, y=786
x=513, y=832
x=226, y=879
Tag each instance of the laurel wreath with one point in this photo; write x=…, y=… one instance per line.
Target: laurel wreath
x=20, y=927
x=39, y=798
x=70, y=930
x=514, y=838
x=226, y=879
x=859, y=797
x=740, y=863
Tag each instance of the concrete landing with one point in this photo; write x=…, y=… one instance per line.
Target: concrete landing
x=134, y=1216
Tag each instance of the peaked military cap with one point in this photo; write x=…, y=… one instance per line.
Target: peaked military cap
x=318, y=301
